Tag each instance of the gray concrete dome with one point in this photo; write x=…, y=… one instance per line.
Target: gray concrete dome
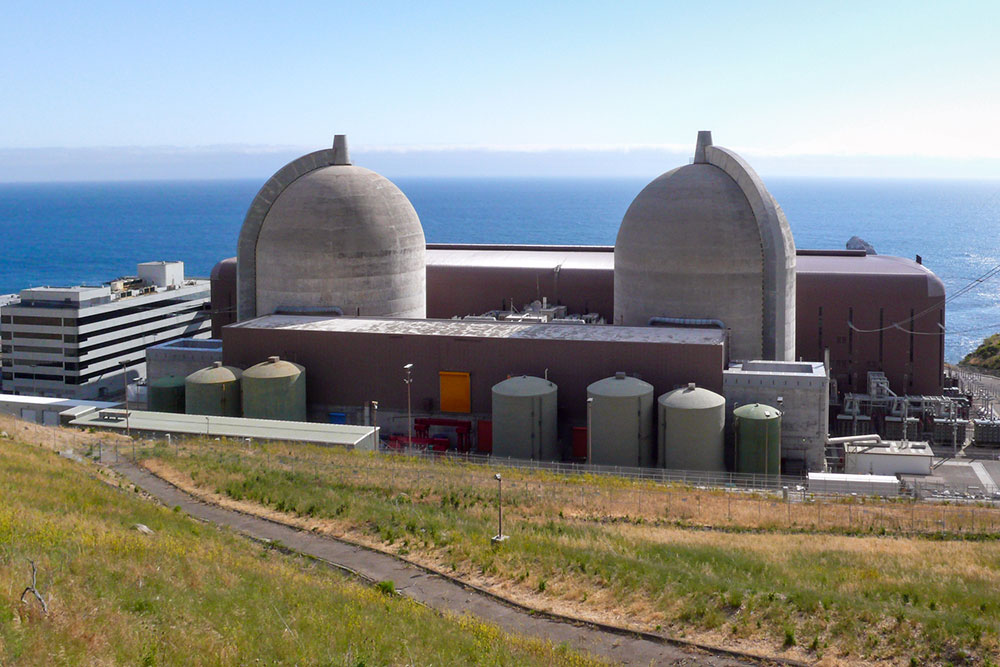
x=708, y=241
x=322, y=234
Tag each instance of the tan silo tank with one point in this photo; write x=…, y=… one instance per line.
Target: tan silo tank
x=692, y=429
x=275, y=389
x=213, y=391
x=621, y=421
x=524, y=419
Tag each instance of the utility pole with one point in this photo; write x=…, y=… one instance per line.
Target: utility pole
x=128, y=429
x=409, y=412
x=499, y=537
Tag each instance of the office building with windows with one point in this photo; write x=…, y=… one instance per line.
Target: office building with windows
x=77, y=342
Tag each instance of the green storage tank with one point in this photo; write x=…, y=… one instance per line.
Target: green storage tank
x=758, y=439
x=213, y=391
x=275, y=389
x=166, y=394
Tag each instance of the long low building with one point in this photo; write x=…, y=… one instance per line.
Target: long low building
x=353, y=361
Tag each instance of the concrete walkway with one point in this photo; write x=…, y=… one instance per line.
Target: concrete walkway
x=433, y=590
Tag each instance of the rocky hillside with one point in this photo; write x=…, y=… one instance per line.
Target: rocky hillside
x=987, y=355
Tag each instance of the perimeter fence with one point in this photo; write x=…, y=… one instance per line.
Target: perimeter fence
x=566, y=492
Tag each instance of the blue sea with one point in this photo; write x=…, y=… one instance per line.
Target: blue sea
x=73, y=233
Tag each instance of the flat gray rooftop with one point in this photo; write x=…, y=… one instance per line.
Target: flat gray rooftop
x=230, y=427
x=603, y=257
x=525, y=257
x=480, y=329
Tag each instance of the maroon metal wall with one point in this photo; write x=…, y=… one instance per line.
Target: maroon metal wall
x=828, y=301
x=223, y=285
x=350, y=368
x=473, y=290
x=874, y=289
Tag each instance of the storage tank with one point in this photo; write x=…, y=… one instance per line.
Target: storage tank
x=692, y=429
x=275, y=389
x=524, y=419
x=621, y=421
x=213, y=391
x=166, y=394
x=758, y=439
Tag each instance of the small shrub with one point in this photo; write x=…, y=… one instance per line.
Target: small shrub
x=789, y=637
x=387, y=587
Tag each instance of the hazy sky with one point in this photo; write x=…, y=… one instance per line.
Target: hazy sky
x=873, y=88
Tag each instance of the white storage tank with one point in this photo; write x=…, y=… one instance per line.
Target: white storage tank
x=621, y=421
x=524, y=419
x=692, y=429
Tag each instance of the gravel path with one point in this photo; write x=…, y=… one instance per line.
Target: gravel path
x=431, y=589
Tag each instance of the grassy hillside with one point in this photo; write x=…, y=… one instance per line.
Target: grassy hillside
x=191, y=594
x=987, y=355
x=857, y=581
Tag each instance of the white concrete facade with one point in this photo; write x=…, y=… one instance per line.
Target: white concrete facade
x=804, y=392
x=72, y=341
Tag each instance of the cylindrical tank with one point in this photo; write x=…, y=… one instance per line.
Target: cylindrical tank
x=213, y=391
x=275, y=389
x=692, y=429
x=166, y=394
x=524, y=419
x=758, y=439
x=621, y=421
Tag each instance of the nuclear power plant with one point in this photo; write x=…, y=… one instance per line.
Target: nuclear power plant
x=702, y=339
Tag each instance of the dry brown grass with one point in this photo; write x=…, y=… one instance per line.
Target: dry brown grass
x=834, y=578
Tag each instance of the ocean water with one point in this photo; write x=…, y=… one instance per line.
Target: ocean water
x=63, y=234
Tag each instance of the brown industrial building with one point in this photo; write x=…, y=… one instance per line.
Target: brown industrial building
x=867, y=312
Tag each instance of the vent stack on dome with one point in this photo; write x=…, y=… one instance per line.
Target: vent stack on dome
x=323, y=233
x=708, y=241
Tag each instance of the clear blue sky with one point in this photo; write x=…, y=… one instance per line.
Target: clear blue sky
x=801, y=84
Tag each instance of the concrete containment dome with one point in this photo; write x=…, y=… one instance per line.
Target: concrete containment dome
x=621, y=421
x=708, y=241
x=324, y=234
x=692, y=429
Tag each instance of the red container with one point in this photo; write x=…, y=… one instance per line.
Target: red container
x=580, y=442
x=484, y=436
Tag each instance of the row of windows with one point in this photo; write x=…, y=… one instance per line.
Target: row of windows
x=169, y=323
x=109, y=315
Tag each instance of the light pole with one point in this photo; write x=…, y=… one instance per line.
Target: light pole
x=128, y=429
x=409, y=414
x=375, y=442
x=499, y=537
x=590, y=438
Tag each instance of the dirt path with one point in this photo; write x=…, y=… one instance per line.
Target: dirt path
x=433, y=590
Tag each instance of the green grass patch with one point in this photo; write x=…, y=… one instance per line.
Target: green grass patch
x=194, y=594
